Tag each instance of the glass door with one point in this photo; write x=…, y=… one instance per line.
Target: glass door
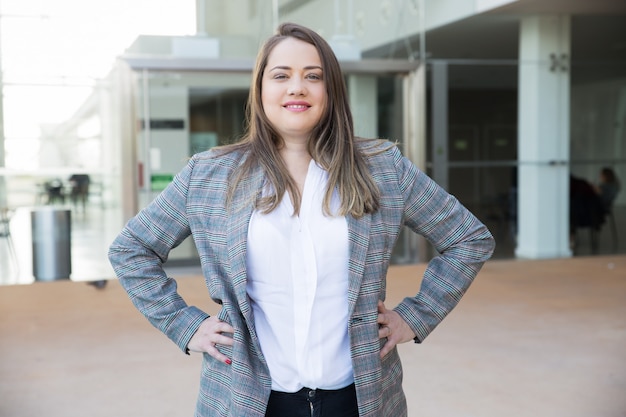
x=180, y=113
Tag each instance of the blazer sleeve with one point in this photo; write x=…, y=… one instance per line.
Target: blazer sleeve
x=463, y=244
x=139, y=251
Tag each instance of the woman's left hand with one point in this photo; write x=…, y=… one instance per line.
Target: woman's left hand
x=393, y=327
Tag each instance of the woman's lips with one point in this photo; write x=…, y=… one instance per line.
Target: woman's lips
x=296, y=105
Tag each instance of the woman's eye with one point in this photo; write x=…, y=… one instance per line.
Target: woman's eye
x=314, y=77
x=280, y=76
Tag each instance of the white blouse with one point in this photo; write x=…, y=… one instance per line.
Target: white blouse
x=298, y=285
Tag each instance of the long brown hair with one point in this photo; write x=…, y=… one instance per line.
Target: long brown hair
x=332, y=143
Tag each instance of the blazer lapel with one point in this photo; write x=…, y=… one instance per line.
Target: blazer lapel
x=240, y=213
x=358, y=235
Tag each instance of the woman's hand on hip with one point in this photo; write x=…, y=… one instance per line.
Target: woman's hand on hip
x=210, y=333
x=393, y=327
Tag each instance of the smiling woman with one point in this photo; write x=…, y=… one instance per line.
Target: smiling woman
x=293, y=93
x=295, y=225
x=294, y=100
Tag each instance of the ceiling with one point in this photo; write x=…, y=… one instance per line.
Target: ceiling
x=564, y=6
x=489, y=42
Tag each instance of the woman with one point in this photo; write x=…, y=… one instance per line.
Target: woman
x=295, y=226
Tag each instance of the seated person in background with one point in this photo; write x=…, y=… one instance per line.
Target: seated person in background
x=607, y=188
x=80, y=188
x=585, y=205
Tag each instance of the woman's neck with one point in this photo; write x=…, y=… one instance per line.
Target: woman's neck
x=297, y=159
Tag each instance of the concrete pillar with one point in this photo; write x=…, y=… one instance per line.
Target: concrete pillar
x=363, y=92
x=3, y=187
x=201, y=18
x=4, y=200
x=543, y=137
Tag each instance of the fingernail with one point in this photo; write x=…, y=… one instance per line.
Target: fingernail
x=228, y=361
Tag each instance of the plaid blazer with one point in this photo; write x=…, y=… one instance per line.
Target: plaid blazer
x=194, y=203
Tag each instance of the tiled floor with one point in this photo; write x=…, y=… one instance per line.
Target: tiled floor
x=529, y=339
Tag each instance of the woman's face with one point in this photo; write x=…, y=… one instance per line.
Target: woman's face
x=293, y=92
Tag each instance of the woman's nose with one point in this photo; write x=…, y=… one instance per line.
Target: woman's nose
x=295, y=88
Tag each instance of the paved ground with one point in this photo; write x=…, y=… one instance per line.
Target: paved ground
x=531, y=338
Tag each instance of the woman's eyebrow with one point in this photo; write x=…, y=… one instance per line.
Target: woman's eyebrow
x=280, y=67
x=285, y=67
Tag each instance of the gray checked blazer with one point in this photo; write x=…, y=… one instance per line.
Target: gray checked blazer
x=194, y=203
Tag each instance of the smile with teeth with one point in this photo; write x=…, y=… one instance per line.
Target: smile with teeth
x=296, y=106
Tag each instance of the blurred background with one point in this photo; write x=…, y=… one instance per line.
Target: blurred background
x=513, y=106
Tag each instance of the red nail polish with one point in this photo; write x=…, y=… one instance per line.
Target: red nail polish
x=228, y=361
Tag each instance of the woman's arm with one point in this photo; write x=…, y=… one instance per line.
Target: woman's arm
x=139, y=251
x=462, y=241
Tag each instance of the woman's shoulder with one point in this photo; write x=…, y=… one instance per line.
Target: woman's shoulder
x=222, y=156
x=373, y=146
x=378, y=150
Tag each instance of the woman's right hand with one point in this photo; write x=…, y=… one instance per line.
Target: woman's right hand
x=211, y=333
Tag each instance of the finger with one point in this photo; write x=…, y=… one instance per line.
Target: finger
x=384, y=331
x=222, y=336
x=212, y=331
x=387, y=347
x=223, y=327
x=214, y=352
x=223, y=339
x=382, y=319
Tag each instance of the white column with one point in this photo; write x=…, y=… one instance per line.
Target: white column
x=4, y=200
x=201, y=14
x=364, y=104
x=543, y=137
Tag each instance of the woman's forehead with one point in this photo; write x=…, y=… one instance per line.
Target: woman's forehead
x=291, y=51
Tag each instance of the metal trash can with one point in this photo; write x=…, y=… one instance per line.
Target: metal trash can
x=52, y=242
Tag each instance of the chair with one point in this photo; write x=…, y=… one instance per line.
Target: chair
x=80, y=189
x=610, y=218
x=54, y=191
x=585, y=212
